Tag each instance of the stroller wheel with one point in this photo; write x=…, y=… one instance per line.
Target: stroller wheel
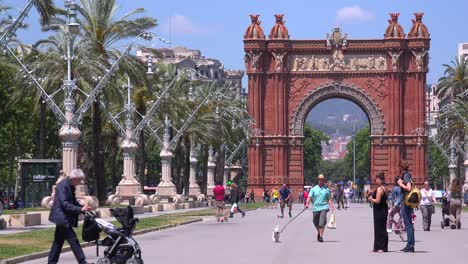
x=104, y=261
x=134, y=261
x=459, y=225
x=442, y=224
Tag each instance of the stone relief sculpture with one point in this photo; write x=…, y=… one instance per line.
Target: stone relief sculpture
x=279, y=60
x=253, y=58
x=338, y=62
x=395, y=56
x=419, y=56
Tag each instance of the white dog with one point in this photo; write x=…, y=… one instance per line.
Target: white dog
x=276, y=234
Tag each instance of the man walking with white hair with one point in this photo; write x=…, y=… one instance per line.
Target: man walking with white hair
x=64, y=213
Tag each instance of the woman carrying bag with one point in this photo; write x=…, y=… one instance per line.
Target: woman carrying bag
x=427, y=206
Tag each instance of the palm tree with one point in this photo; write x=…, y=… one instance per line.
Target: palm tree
x=451, y=86
x=455, y=79
x=45, y=8
x=102, y=30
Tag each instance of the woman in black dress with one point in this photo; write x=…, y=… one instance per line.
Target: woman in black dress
x=380, y=208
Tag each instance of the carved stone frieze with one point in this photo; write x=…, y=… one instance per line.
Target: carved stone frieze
x=337, y=89
x=338, y=62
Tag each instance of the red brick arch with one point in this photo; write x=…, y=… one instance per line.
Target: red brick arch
x=287, y=78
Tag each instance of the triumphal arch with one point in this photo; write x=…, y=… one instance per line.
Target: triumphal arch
x=286, y=78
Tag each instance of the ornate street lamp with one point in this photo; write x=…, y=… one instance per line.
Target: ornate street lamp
x=73, y=26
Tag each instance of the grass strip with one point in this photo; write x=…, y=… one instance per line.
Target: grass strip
x=20, y=244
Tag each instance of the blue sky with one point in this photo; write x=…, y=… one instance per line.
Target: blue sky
x=217, y=26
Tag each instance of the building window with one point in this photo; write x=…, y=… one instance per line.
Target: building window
x=216, y=75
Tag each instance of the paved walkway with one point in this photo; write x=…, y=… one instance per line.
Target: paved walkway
x=248, y=240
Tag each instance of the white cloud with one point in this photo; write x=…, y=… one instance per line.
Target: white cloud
x=180, y=24
x=353, y=14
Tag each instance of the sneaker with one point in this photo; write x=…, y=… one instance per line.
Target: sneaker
x=290, y=215
x=320, y=239
x=408, y=250
x=243, y=215
x=389, y=230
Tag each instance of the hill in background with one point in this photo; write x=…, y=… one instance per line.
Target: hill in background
x=335, y=117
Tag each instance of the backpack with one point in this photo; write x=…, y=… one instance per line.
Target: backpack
x=91, y=229
x=412, y=198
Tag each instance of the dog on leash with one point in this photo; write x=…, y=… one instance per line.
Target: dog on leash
x=276, y=234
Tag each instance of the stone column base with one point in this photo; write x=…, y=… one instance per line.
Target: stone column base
x=125, y=192
x=194, y=191
x=167, y=190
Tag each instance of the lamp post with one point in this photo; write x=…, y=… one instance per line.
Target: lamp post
x=354, y=152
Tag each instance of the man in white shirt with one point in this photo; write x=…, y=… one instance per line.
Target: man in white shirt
x=347, y=196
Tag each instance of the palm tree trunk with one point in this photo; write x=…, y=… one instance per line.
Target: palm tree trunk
x=42, y=130
x=114, y=151
x=220, y=162
x=205, y=168
x=187, y=164
x=179, y=168
x=141, y=159
x=98, y=161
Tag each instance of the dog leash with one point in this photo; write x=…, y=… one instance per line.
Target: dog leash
x=292, y=219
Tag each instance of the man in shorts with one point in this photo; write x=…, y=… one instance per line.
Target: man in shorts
x=285, y=199
x=219, y=192
x=321, y=199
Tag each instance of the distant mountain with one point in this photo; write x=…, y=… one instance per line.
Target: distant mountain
x=335, y=117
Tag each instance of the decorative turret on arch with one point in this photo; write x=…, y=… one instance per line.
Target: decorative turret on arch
x=254, y=31
x=336, y=90
x=394, y=29
x=279, y=30
x=418, y=30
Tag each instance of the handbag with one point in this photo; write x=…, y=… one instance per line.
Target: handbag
x=332, y=223
x=432, y=209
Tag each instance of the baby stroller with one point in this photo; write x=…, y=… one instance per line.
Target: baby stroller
x=121, y=248
x=445, y=213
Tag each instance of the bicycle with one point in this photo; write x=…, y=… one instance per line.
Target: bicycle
x=398, y=226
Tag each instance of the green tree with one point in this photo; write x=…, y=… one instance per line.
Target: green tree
x=363, y=165
x=439, y=166
x=334, y=171
x=312, y=152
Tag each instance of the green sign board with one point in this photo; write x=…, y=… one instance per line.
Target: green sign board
x=37, y=179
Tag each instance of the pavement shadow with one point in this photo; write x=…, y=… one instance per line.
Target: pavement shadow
x=331, y=241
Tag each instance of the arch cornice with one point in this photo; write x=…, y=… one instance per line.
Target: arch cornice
x=342, y=90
